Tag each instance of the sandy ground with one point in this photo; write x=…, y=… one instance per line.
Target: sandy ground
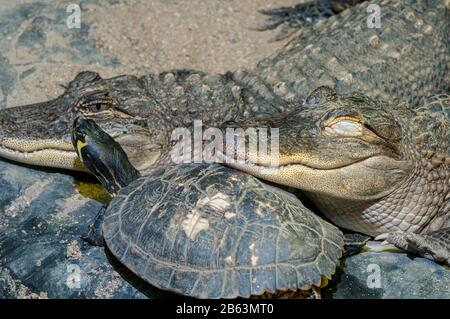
x=141, y=37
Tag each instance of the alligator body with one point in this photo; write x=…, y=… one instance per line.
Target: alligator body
x=374, y=162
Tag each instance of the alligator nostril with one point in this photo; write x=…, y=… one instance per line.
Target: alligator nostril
x=84, y=79
x=321, y=95
x=312, y=100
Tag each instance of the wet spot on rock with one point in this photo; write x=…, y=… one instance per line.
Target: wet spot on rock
x=90, y=188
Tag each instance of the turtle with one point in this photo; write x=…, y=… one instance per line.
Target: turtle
x=206, y=230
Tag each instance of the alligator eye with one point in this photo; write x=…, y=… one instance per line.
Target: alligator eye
x=345, y=128
x=95, y=105
x=98, y=107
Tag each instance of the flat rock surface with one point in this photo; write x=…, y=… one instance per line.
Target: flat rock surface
x=389, y=275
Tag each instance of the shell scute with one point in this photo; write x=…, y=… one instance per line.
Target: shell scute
x=211, y=231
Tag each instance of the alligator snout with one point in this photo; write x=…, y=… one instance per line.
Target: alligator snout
x=39, y=134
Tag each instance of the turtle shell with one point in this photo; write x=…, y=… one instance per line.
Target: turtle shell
x=210, y=231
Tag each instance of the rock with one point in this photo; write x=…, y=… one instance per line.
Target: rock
x=400, y=276
x=42, y=216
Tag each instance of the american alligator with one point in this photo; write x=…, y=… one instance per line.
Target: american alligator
x=373, y=164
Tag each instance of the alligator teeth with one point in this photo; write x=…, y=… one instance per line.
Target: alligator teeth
x=382, y=236
x=381, y=247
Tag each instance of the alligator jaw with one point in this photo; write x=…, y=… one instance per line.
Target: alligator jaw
x=49, y=153
x=329, y=181
x=38, y=134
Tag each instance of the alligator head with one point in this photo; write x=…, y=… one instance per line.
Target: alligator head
x=368, y=165
x=329, y=145
x=39, y=134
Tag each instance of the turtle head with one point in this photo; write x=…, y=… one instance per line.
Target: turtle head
x=102, y=155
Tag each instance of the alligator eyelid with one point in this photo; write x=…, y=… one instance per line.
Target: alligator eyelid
x=86, y=102
x=371, y=129
x=330, y=120
x=346, y=127
x=121, y=109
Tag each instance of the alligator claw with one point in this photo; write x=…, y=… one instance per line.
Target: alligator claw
x=382, y=237
x=434, y=245
x=293, y=18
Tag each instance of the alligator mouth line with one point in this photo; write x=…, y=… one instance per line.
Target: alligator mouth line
x=289, y=164
x=328, y=181
x=47, y=154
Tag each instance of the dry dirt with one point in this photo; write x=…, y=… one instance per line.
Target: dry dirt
x=150, y=36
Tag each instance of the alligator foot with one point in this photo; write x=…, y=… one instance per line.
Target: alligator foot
x=434, y=246
x=291, y=19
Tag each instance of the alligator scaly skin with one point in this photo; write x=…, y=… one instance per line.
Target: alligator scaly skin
x=403, y=62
